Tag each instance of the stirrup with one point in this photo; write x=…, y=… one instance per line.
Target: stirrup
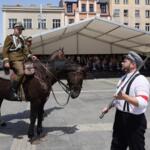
x=15, y=97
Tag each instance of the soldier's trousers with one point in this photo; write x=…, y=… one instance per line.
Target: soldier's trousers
x=128, y=131
x=18, y=68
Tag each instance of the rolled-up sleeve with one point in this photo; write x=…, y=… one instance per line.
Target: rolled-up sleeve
x=142, y=92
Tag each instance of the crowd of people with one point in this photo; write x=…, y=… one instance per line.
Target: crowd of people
x=99, y=63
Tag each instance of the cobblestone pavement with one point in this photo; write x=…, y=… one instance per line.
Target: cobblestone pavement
x=74, y=127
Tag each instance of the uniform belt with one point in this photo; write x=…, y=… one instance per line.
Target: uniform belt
x=13, y=50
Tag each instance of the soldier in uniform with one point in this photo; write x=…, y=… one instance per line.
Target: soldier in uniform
x=28, y=43
x=14, y=54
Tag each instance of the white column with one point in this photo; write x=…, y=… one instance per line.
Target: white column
x=5, y=27
x=87, y=8
x=79, y=7
x=77, y=17
x=95, y=8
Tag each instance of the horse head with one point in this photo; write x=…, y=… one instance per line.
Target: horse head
x=75, y=76
x=72, y=72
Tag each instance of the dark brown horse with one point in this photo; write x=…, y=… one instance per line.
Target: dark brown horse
x=38, y=87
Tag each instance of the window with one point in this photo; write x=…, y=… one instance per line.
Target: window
x=116, y=12
x=69, y=7
x=56, y=23
x=125, y=1
x=71, y=21
x=147, y=2
x=137, y=2
x=117, y=1
x=126, y=13
x=126, y=23
x=83, y=7
x=147, y=27
x=91, y=8
x=27, y=23
x=137, y=25
x=41, y=23
x=147, y=13
x=12, y=21
x=103, y=7
x=137, y=13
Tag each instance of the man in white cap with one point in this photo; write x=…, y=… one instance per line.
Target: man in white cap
x=131, y=103
x=14, y=53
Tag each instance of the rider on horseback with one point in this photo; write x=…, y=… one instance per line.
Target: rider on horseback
x=14, y=54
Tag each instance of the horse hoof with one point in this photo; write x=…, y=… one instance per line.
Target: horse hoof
x=30, y=135
x=39, y=131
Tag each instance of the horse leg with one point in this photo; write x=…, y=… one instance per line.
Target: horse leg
x=40, y=119
x=2, y=122
x=33, y=115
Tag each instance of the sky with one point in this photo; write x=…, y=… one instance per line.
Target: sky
x=22, y=2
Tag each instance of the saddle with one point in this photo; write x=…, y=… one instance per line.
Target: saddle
x=29, y=68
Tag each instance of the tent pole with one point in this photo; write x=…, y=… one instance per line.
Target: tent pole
x=77, y=44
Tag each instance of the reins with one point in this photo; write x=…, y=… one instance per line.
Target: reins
x=62, y=84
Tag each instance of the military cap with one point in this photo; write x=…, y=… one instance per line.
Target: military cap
x=18, y=24
x=135, y=58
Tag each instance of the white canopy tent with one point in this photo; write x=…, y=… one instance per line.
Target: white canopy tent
x=92, y=36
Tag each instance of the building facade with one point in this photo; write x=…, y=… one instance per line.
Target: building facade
x=76, y=10
x=35, y=19
x=133, y=13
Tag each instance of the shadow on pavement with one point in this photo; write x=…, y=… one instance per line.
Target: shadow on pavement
x=19, y=128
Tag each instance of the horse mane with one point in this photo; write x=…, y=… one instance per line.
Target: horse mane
x=55, y=64
x=40, y=70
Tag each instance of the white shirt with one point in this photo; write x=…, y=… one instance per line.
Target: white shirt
x=140, y=88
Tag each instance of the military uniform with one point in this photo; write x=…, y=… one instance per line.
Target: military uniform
x=14, y=54
x=28, y=43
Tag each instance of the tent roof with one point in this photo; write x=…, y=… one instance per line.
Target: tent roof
x=99, y=30
x=92, y=36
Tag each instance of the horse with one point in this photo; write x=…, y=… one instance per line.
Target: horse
x=37, y=87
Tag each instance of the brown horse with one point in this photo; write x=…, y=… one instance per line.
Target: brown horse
x=38, y=86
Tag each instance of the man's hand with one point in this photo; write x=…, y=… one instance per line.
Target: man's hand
x=6, y=68
x=6, y=65
x=120, y=96
x=105, y=110
x=34, y=57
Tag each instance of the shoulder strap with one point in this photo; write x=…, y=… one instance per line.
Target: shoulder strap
x=126, y=104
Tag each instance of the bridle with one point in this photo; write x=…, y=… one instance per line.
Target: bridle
x=68, y=89
x=74, y=86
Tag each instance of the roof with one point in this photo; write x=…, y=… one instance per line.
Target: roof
x=92, y=36
x=28, y=8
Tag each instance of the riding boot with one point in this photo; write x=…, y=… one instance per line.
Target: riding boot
x=13, y=91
